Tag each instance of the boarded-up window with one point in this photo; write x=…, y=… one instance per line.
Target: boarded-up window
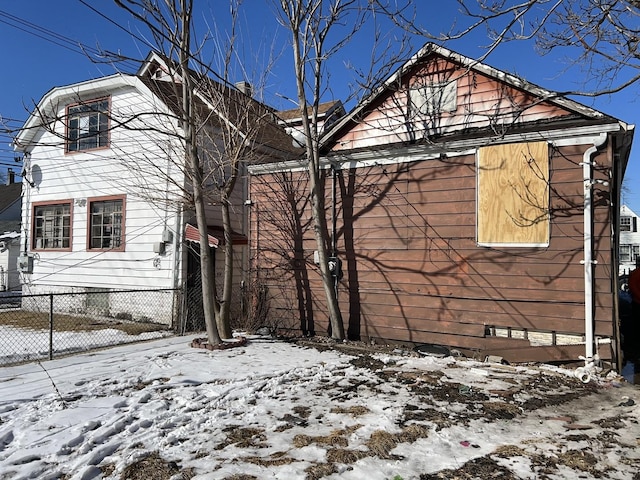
x=434, y=98
x=513, y=195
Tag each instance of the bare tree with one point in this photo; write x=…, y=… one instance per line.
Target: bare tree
x=318, y=30
x=600, y=36
x=221, y=129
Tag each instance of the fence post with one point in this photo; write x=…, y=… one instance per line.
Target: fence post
x=50, y=326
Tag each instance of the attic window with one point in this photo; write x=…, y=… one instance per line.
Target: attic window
x=88, y=125
x=434, y=98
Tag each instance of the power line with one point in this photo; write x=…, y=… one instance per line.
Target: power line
x=53, y=37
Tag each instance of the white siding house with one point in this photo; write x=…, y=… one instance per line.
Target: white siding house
x=629, y=240
x=106, y=197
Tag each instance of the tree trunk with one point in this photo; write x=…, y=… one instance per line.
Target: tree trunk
x=206, y=265
x=223, y=318
x=320, y=231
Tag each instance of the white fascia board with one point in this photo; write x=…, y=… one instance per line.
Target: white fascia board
x=387, y=156
x=58, y=95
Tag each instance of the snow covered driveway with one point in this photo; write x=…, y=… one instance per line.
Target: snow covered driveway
x=278, y=410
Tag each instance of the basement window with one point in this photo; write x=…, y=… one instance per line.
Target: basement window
x=513, y=195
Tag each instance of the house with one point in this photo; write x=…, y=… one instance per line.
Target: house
x=10, y=204
x=106, y=201
x=469, y=208
x=328, y=114
x=629, y=251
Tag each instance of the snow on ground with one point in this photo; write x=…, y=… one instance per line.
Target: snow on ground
x=21, y=344
x=278, y=410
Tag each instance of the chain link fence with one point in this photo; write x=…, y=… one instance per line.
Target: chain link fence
x=44, y=326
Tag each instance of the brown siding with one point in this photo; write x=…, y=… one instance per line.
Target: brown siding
x=413, y=270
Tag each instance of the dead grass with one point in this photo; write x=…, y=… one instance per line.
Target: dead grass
x=275, y=460
x=154, y=466
x=506, y=451
x=356, y=410
x=243, y=437
x=345, y=455
x=501, y=410
x=320, y=470
x=579, y=460
x=73, y=323
x=336, y=438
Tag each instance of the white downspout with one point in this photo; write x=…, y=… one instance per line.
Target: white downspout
x=588, y=262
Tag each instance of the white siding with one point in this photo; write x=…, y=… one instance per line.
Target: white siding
x=631, y=238
x=135, y=165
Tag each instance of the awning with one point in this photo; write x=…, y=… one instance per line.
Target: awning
x=192, y=234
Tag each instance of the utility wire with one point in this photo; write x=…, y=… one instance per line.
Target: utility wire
x=53, y=37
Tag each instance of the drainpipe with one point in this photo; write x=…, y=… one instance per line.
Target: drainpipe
x=334, y=220
x=587, y=173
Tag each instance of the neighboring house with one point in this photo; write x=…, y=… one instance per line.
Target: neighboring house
x=10, y=207
x=629, y=251
x=106, y=197
x=328, y=114
x=472, y=209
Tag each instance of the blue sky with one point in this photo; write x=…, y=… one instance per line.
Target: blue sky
x=40, y=53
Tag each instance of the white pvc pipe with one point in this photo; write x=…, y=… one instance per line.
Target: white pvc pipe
x=588, y=244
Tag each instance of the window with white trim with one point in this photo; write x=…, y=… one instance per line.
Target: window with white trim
x=52, y=226
x=625, y=253
x=625, y=224
x=106, y=223
x=88, y=125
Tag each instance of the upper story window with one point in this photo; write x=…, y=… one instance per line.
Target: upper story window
x=88, y=125
x=629, y=224
x=52, y=226
x=434, y=98
x=106, y=223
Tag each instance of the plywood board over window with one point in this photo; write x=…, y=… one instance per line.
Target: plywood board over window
x=513, y=195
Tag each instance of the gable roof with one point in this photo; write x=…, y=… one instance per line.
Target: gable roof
x=433, y=50
x=240, y=109
x=50, y=102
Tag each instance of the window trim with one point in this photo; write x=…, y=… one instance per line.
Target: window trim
x=51, y=203
x=92, y=200
x=627, y=255
x=629, y=225
x=68, y=140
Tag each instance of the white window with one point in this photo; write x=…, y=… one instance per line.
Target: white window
x=434, y=98
x=625, y=224
x=106, y=225
x=635, y=253
x=88, y=125
x=52, y=226
x=625, y=253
